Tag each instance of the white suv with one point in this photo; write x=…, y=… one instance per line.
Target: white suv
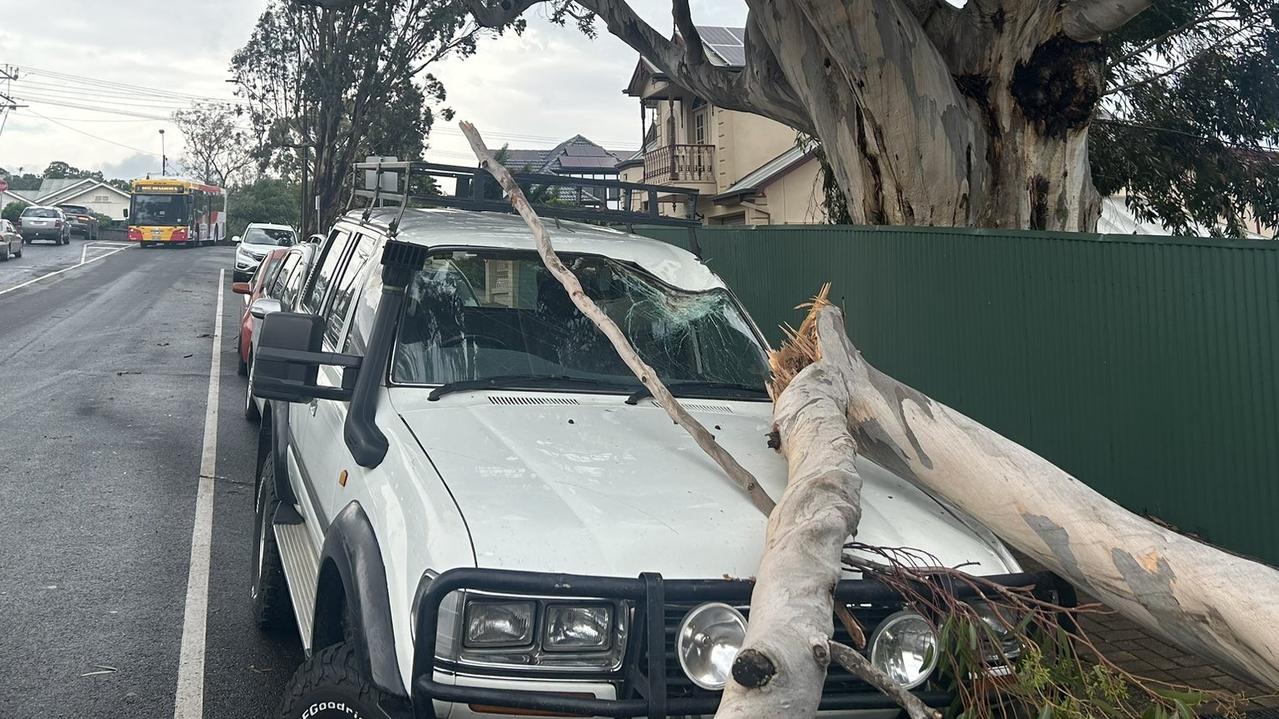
x=467, y=505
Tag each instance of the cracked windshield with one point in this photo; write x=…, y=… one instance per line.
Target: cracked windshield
x=478, y=316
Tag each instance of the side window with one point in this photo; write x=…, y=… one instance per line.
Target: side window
x=345, y=287
x=293, y=287
x=327, y=267
x=282, y=276
x=366, y=301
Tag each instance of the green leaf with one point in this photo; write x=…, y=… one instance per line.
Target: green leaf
x=1046, y=712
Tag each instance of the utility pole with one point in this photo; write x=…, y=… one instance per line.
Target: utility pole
x=164, y=161
x=8, y=74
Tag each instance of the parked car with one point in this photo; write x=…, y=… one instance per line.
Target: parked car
x=466, y=500
x=276, y=283
x=10, y=241
x=83, y=221
x=44, y=223
x=259, y=238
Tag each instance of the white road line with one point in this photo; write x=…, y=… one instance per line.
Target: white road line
x=82, y=263
x=189, y=701
x=84, y=250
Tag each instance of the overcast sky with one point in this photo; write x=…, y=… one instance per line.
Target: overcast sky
x=530, y=91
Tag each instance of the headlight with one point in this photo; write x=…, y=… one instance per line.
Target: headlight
x=904, y=647
x=491, y=624
x=707, y=643
x=1000, y=619
x=578, y=628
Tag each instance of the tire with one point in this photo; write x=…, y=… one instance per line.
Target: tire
x=251, y=412
x=330, y=685
x=272, y=609
x=242, y=367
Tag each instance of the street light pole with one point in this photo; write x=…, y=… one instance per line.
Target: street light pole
x=164, y=161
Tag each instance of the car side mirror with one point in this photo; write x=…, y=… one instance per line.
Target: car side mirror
x=288, y=358
x=126, y=213
x=264, y=306
x=316, y=239
x=235, y=240
x=241, y=288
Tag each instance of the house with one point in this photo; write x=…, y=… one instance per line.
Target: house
x=11, y=195
x=747, y=169
x=96, y=195
x=575, y=157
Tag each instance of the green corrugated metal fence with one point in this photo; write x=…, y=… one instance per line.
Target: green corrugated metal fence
x=1144, y=366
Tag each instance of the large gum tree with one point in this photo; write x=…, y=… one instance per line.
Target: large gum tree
x=928, y=114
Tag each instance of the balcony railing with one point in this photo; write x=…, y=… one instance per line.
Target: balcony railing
x=680, y=163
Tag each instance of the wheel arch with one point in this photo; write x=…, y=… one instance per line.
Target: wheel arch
x=351, y=588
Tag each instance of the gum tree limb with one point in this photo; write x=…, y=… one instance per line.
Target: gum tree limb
x=1209, y=602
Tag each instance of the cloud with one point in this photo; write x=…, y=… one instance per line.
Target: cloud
x=132, y=167
x=531, y=91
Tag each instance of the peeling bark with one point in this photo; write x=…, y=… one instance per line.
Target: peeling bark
x=1209, y=602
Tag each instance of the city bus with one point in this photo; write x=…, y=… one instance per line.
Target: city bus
x=164, y=211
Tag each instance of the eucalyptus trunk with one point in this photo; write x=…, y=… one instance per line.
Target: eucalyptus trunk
x=927, y=114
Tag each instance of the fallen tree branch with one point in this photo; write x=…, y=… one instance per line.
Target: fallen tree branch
x=1207, y=601
x=860, y=667
x=646, y=374
x=782, y=665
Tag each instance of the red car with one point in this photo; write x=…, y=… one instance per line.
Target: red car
x=256, y=287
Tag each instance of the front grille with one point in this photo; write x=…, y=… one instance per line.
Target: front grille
x=838, y=679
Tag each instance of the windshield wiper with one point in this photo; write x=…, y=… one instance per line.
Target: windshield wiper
x=699, y=389
x=521, y=381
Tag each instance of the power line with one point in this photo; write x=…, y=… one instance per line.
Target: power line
x=90, y=134
x=85, y=80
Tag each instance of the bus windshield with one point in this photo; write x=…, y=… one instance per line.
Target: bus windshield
x=174, y=210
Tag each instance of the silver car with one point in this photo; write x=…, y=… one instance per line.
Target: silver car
x=45, y=223
x=10, y=241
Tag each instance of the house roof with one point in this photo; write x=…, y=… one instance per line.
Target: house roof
x=12, y=195
x=769, y=171
x=574, y=156
x=726, y=44
x=48, y=188
x=79, y=188
x=725, y=47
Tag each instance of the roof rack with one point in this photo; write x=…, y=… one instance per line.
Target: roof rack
x=405, y=183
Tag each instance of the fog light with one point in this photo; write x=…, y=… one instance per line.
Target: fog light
x=708, y=641
x=1001, y=619
x=904, y=647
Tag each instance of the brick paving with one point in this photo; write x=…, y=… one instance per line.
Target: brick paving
x=1134, y=649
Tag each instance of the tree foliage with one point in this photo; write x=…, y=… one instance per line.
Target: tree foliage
x=1192, y=132
x=331, y=85
x=263, y=200
x=60, y=170
x=13, y=210
x=218, y=149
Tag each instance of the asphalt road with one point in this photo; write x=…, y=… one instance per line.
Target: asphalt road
x=104, y=375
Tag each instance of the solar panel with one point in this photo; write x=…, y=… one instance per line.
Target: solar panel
x=726, y=42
